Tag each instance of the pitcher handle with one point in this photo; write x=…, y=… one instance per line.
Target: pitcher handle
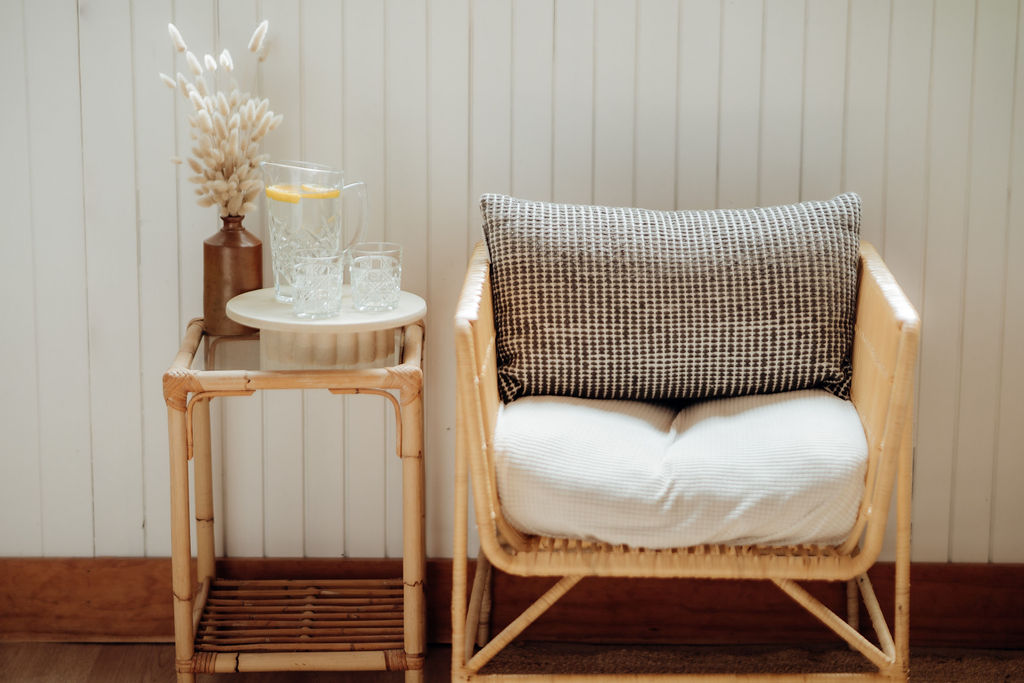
x=360, y=188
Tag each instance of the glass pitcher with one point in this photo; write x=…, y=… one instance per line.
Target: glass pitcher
x=304, y=211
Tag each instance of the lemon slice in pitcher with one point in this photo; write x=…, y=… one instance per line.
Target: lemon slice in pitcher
x=292, y=194
x=284, y=193
x=319, y=192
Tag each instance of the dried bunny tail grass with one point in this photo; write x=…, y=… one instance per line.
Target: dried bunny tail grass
x=226, y=129
x=196, y=99
x=246, y=111
x=193, y=64
x=177, y=160
x=183, y=84
x=256, y=42
x=205, y=123
x=219, y=125
x=179, y=42
x=263, y=128
x=234, y=204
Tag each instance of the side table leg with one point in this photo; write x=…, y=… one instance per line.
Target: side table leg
x=413, y=512
x=181, y=550
x=203, y=472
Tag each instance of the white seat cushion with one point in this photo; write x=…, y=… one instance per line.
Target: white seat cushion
x=773, y=469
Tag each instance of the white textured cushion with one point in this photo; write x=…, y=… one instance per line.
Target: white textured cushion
x=773, y=469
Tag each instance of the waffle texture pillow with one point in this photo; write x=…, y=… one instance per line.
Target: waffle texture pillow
x=775, y=469
x=625, y=303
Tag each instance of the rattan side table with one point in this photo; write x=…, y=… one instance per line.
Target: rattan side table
x=224, y=626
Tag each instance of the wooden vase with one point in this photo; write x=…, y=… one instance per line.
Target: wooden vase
x=232, y=265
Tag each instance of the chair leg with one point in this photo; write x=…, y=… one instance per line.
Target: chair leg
x=476, y=622
x=483, y=628
x=852, y=605
x=904, y=486
x=460, y=613
x=459, y=559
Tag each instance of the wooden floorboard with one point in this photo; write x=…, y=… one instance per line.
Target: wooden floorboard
x=154, y=663
x=142, y=663
x=43, y=663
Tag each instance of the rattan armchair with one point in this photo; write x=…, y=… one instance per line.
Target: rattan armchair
x=884, y=356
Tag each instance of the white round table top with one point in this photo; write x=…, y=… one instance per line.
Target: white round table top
x=261, y=309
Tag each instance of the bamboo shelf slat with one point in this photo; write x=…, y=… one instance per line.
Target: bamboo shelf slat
x=323, y=606
x=320, y=632
x=223, y=584
x=312, y=619
x=247, y=616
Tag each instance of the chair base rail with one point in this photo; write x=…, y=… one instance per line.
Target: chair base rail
x=883, y=656
x=663, y=678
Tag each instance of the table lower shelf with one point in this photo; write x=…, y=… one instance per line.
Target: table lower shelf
x=275, y=625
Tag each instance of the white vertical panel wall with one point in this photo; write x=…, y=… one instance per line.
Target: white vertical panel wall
x=22, y=526
x=918, y=105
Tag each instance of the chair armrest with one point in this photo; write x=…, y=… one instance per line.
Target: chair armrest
x=477, y=406
x=886, y=336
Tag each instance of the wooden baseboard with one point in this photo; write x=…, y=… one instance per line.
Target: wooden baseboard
x=128, y=599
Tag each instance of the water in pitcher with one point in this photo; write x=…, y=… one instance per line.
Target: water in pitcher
x=301, y=216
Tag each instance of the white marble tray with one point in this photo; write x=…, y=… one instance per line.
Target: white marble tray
x=351, y=340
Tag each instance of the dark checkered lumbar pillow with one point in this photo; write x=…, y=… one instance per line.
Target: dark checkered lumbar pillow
x=601, y=302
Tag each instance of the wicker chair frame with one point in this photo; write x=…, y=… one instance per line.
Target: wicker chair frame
x=884, y=358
